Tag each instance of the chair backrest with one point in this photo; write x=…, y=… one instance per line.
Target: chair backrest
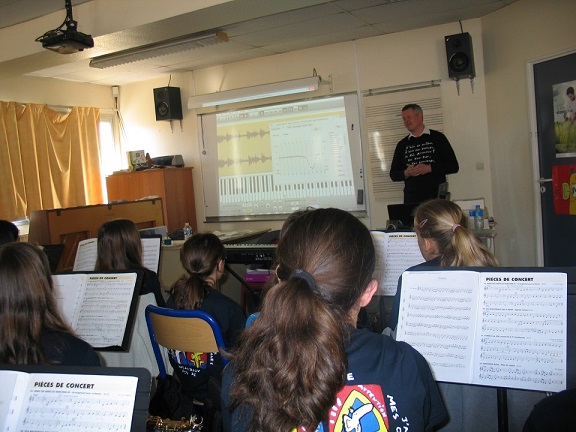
x=182, y=330
x=251, y=318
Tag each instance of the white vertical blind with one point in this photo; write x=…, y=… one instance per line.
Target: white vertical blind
x=384, y=128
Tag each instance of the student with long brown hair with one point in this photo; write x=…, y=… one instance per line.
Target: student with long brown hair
x=303, y=363
x=202, y=256
x=32, y=330
x=120, y=248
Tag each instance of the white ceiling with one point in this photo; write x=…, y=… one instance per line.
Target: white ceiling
x=265, y=27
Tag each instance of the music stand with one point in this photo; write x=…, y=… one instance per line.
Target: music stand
x=143, y=388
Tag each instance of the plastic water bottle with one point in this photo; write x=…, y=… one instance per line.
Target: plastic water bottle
x=187, y=231
x=471, y=217
x=478, y=218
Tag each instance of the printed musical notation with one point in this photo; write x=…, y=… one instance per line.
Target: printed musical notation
x=488, y=328
x=96, y=305
x=87, y=253
x=66, y=403
x=395, y=252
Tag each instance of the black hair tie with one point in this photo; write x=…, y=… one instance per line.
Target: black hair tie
x=303, y=274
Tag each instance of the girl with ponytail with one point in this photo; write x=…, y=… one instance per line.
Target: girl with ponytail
x=445, y=241
x=202, y=256
x=442, y=235
x=303, y=365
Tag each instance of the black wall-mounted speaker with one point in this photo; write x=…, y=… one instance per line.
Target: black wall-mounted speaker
x=167, y=103
x=460, y=56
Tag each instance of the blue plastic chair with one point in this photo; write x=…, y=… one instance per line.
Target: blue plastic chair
x=182, y=330
x=251, y=318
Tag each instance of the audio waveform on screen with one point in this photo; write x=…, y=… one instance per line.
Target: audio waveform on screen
x=248, y=135
x=249, y=160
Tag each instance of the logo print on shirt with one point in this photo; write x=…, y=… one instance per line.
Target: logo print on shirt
x=359, y=408
x=196, y=360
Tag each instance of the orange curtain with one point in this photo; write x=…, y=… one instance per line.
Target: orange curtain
x=47, y=160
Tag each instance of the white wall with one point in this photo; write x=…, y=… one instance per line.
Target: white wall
x=55, y=92
x=515, y=35
x=355, y=66
x=419, y=56
x=489, y=126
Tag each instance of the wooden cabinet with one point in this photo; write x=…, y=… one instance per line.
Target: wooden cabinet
x=68, y=226
x=173, y=185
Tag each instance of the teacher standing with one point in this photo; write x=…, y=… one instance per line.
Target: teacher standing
x=422, y=159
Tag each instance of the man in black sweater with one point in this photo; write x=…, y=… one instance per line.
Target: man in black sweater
x=422, y=159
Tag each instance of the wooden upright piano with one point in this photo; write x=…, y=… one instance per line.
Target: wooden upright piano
x=69, y=226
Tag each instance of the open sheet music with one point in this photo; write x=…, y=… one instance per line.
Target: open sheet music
x=98, y=306
x=87, y=253
x=65, y=403
x=395, y=252
x=499, y=329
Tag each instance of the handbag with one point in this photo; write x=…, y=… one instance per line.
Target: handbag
x=166, y=402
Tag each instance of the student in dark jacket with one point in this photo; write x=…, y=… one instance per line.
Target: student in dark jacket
x=120, y=248
x=302, y=363
x=202, y=256
x=445, y=241
x=32, y=331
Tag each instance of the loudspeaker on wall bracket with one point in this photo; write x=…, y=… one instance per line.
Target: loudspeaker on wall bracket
x=460, y=56
x=167, y=103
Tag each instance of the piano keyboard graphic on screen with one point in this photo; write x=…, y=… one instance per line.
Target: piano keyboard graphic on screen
x=262, y=187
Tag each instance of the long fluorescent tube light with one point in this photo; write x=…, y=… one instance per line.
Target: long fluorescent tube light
x=171, y=46
x=301, y=85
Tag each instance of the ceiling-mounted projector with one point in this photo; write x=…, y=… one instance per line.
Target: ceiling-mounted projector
x=66, y=40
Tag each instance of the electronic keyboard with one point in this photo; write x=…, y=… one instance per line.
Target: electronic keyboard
x=237, y=253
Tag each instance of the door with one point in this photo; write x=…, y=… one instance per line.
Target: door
x=552, y=79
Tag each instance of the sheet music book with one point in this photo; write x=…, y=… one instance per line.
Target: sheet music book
x=493, y=328
x=395, y=252
x=87, y=253
x=100, y=307
x=65, y=402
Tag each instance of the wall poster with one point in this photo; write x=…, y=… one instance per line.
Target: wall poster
x=564, y=186
x=564, y=119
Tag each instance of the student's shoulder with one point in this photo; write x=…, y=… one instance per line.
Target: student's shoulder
x=436, y=134
x=68, y=349
x=217, y=297
x=367, y=340
x=150, y=275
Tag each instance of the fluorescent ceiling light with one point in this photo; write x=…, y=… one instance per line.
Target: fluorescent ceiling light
x=171, y=46
x=301, y=85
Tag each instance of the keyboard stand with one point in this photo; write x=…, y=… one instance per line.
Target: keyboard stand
x=244, y=284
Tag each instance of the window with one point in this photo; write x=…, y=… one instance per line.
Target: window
x=110, y=151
